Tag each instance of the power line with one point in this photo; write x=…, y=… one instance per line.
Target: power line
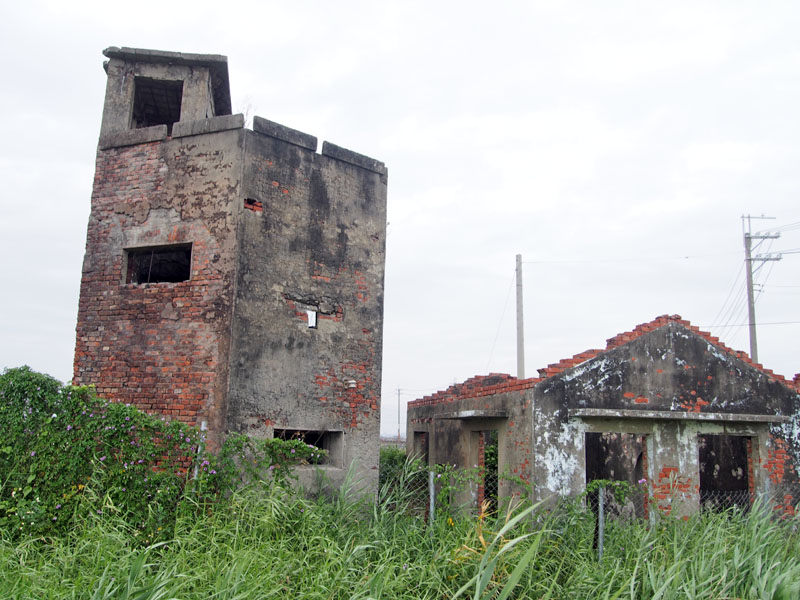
x=500, y=324
x=624, y=260
x=748, y=324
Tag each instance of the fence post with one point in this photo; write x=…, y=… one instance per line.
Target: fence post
x=200, y=443
x=600, y=521
x=431, y=497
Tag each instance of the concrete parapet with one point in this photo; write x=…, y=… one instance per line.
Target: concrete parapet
x=285, y=134
x=132, y=137
x=354, y=158
x=201, y=126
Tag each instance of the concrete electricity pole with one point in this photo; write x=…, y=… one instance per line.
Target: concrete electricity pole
x=520, y=324
x=749, y=259
x=398, y=417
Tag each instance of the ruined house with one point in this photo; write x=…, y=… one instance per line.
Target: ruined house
x=233, y=278
x=666, y=404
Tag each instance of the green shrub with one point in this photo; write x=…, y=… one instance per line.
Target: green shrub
x=66, y=454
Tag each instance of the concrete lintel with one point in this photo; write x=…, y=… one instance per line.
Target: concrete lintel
x=354, y=158
x=283, y=133
x=665, y=415
x=201, y=126
x=147, y=54
x=474, y=414
x=132, y=137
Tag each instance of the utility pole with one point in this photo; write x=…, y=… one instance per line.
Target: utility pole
x=398, y=417
x=749, y=259
x=520, y=324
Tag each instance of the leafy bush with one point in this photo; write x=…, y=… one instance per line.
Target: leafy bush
x=67, y=453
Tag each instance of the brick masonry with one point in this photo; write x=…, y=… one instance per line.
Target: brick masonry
x=666, y=380
x=278, y=233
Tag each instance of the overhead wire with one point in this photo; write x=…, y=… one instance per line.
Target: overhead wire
x=500, y=324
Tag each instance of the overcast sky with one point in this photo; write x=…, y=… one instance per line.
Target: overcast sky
x=615, y=145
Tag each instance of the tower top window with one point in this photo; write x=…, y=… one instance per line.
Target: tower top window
x=156, y=102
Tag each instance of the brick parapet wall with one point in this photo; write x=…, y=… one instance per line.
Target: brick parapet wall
x=477, y=387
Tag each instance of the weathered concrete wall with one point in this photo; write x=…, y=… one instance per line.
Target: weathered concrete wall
x=454, y=418
x=670, y=385
x=205, y=84
x=162, y=346
x=312, y=238
x=277, y=232
x=645, y=405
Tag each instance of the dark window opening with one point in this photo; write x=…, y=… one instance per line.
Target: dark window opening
x=724, y=465
x=162, y=264
x=330, y=441
x=156, y=102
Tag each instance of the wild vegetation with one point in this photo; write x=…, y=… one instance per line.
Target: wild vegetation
x=238, y=537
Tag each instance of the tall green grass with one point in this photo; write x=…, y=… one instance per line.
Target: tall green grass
x=274, y=543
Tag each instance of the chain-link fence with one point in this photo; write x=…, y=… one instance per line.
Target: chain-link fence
x=412, y=485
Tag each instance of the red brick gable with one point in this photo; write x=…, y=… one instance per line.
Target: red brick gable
x=623, y=338
x=497, y=383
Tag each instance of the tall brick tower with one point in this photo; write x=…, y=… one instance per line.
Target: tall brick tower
x=232, y=277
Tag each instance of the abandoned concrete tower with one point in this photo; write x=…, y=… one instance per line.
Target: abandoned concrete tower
x=232, y=277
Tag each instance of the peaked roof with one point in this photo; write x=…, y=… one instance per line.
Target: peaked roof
x=495, y=383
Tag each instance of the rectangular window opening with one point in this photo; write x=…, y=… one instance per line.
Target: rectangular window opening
x=158, y=264
x=156, y=102
x=724, y=471
x=312, y=319
x=331, y=441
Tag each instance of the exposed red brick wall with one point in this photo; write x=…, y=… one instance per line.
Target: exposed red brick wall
x=779, y=462
x=155, y=346
x=670, y=485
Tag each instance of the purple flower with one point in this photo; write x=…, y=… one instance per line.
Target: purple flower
x=102, y=458
x=33, y=453
x=292, y=450
x=69, y=427
x=213, y=472
x=58, y=506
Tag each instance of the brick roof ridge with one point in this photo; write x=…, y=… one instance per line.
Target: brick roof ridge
x=642, y=328
x=494, y=383
x=477, y=386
